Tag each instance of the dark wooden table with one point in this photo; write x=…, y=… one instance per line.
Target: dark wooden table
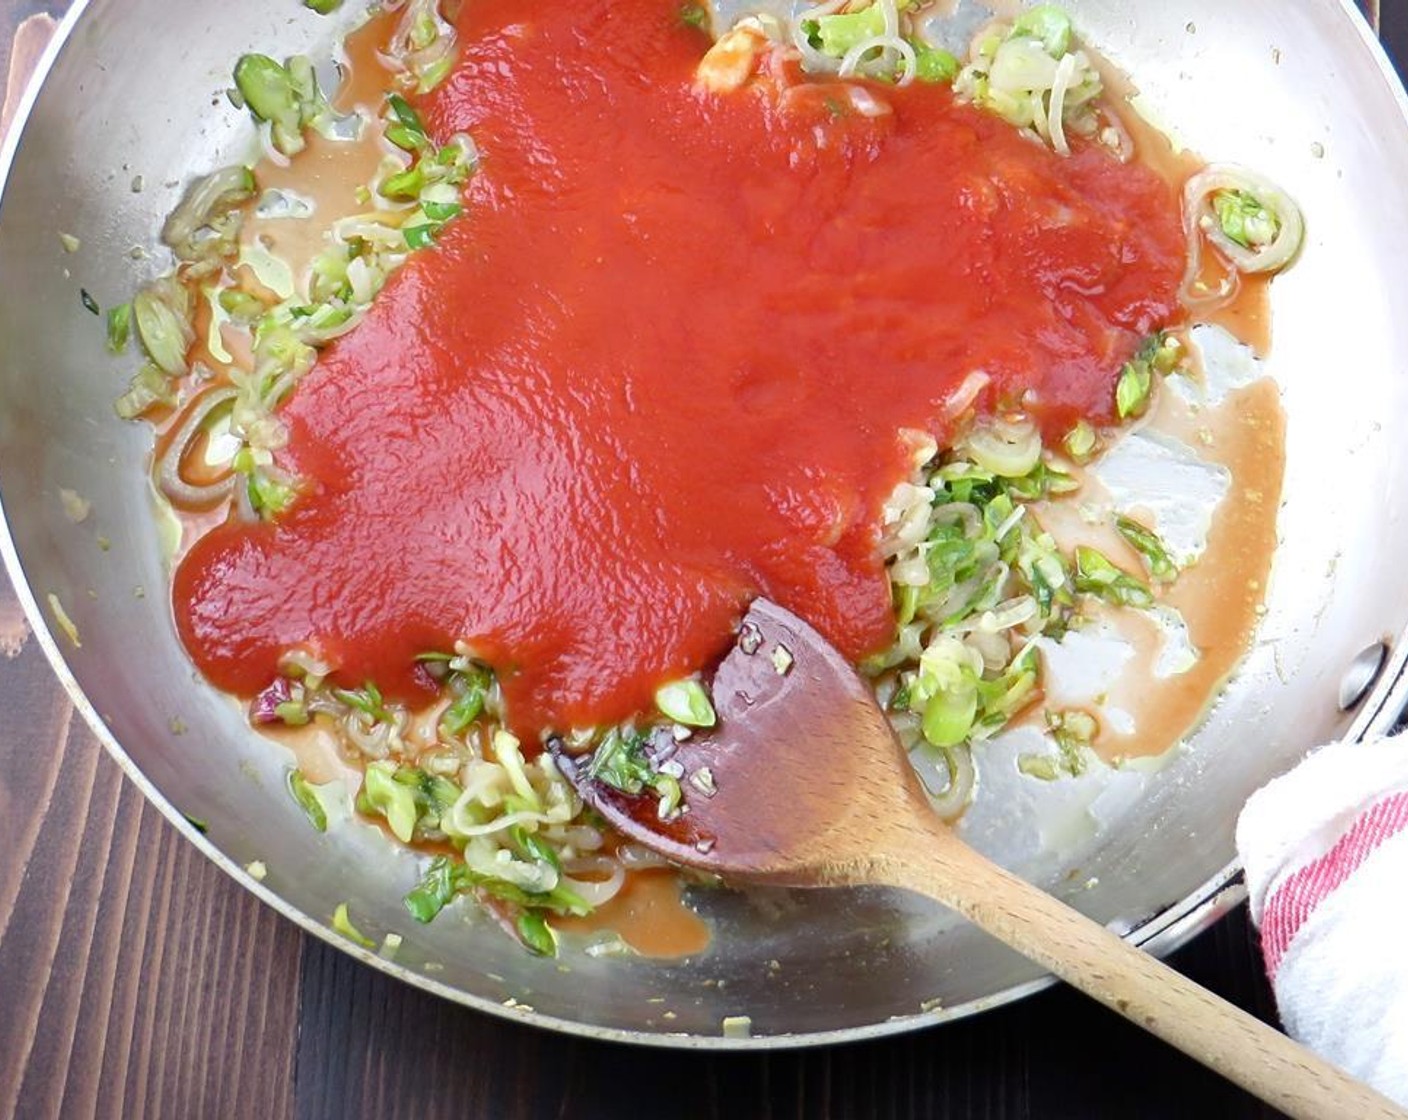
x=135, y=979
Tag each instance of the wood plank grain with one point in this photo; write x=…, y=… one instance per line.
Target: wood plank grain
x=373, y=1048
x=135, y=978
x=1393, y=26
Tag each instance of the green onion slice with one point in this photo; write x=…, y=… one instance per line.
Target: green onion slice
x=383, y=794
x=307, y=798
x=342, y=922
x=1049, y=24
x=119, y=327
x=536, y=934
x=1096, y=575
x=1150, y=546
x=686, y=702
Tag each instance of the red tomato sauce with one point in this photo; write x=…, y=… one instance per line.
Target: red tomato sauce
x=661, y=366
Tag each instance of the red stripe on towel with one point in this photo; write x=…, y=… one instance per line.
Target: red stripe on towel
x=1297, y=897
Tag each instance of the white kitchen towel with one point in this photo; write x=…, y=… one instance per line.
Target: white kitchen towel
x=1326, y=855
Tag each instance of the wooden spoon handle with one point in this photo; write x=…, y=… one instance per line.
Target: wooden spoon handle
x=1131, y=982
x=31, y=36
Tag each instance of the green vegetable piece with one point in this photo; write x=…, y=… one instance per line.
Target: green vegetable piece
x=294, y=713
x=934, y=64
x=671, y=795
x=473, y=690
x=1150, y=546
x=404, y=184
x=367, y=699
x=1040, y=766
x=1163, y=351
x=620, y=761
x=148, y=387
x=1245, y=218
x=836, y=34
x=559, y=900
x=239, y=304
x=1133, y=388
x=119, y=327
x=906, y=604
x=437, y=888
x=404, y=138
x=1159, y=353
x=90, y=305
x=441, y=211
x=1004, y=697
x=165, y=334
x=342, y=922
x=949, y=715
x=323, y=7
x=196, y=823
x=1048, y=23
x=686, y=702
x=445, y=878
x=424, y=30
x=272, y=95
x=269, y=496
x=433, y=74
x=1045, y=570
x=536, y=934
x=1080, y=442
x=1095, y=575
x=307, y=799
x=421, y=236
x=1074, y=732
x=695, y=16
x=406, y=130
x=434, y=795
x=381, y=793
x=535, y=847
x=313, y=107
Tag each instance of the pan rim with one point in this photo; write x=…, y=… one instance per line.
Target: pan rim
x=1160, y=934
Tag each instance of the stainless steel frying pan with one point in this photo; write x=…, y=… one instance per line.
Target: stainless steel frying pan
x=130, y=108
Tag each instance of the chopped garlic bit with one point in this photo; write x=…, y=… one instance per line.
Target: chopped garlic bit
x=738, y=1026
x=782, y=660
x=76, y=507
x=613, y=945
x=257, y=870
x=733, y=59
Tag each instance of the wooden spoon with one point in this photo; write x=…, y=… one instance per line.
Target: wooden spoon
x=810, y=788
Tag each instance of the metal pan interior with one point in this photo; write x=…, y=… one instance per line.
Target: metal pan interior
x=134, y=92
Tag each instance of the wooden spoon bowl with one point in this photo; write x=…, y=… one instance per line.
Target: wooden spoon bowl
x=802, y=783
